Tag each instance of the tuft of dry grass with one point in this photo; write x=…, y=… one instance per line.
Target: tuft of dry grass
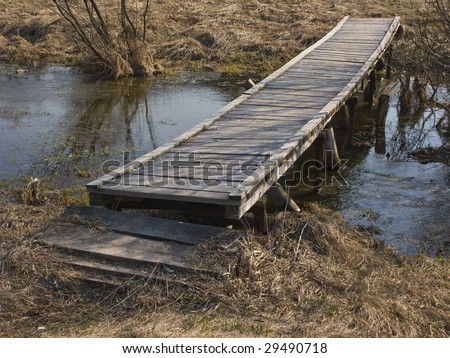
x=319, y=277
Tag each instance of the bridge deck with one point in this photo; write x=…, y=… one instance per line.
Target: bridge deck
x=231, y=159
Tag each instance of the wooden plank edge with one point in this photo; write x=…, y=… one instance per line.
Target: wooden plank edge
x=260, y=85
x=116, y=269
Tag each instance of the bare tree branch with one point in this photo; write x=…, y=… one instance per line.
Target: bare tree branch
x=112, y=40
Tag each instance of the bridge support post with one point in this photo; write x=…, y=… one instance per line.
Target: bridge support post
x=380, y=136
x=341, y=119
x=332, y=159
x=260, y=216
x=95, y=199
x=372, y=87
x=351, y=105
x=383, y=107
x=281, y=198
x=320, y=148
x=388, y=63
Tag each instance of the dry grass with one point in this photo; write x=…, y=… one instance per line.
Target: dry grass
x=312, y=275
x=255, y=35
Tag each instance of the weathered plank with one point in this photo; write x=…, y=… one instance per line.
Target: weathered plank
x=143, y=226
x=109, y=244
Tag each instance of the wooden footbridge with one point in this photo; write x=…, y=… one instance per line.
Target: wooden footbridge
x=228, y=162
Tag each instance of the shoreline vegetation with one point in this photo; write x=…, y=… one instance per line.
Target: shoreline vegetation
x=312, y=275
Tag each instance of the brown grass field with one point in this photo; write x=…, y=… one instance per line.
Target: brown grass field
x=311, y=276
x=232, y=35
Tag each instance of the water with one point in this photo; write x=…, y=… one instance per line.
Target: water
x=54, y=120
x=408, y=201
x=57, y=120
x=385, y=191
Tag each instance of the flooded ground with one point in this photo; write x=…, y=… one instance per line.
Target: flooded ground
x=382, y=189
x=54, y=120
x=408, y=201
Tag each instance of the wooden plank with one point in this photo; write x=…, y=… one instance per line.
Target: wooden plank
x=120, y=269
x=119, y=246
x=242, y=149
x=346, y=51
x=339, y=58
x=204, y=141
x=273, y=112
x=335, y=69
x=212, y=173
x=188, y=156
x=317, y=92
x=267, y=107
x=262, y=123
x=246, y=126
x=256, y=150
x=248, y=135
x=302, y=75
x=303, y=96
x=266, y=103
x=143, y=226
x=182, y=194
x=304, y=86
x=329, y=62
x=180, y=187
x=318, y=81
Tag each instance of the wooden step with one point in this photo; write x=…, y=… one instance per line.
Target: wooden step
x=116, y=246
x=143, y=226
x=119, y=268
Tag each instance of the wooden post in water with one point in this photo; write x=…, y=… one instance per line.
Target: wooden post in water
x=351, y=104
x=320, y=148
x=372, y=87
x=383, y=107
x=281, y=198
x=380, y=137
x=331, y=152
x=388, y=63
x=342, y=118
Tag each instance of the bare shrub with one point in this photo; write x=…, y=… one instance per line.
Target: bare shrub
x=422, y=58
x=114, y=36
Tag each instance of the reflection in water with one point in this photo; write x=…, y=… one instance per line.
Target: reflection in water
x=388, y=190
x=122, y=106
x=57, y=120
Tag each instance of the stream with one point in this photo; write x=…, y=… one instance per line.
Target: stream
x=57, y=121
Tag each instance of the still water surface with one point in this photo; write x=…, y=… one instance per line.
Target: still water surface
x=56, y=120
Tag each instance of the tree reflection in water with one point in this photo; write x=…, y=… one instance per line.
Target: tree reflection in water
x=107, y=126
